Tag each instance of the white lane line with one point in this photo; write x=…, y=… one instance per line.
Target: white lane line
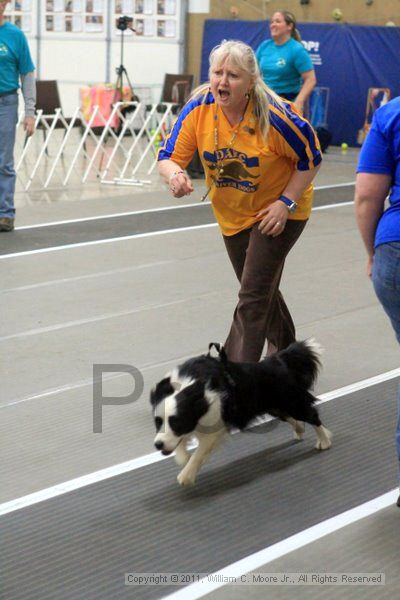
x=104, y=317
x=107, y=241
x=121, y=270
x=89, y=382
x=136, y=236
x=359, y=385
x=148, y=459
x=336, y=185
x=337, y=205
x=110, y=216
x=79, y=482
x=294, y=542
x=150, y=210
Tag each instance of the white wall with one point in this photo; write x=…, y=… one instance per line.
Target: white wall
x=80, y=59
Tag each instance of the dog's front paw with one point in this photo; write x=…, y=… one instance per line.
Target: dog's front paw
x=186, y=479
x=181, y=455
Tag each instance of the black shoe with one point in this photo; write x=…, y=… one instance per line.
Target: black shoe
x=6, y=224
x=398, y=502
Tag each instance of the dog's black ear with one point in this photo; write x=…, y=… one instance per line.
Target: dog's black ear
x=161, y=391
x=220, y=349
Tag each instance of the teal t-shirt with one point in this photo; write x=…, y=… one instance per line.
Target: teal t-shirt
x=15, y=58
x=281, y=66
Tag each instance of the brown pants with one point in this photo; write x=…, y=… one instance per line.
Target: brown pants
x=261, y=312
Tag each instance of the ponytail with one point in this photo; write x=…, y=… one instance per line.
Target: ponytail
x=290, y=19
x=296, y=34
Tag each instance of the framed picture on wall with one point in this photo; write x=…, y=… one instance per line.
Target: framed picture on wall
x=148, y=7
x=98, y=6
x=26, y=23
x=50, y=23
x=77, y=24
x=127, y=7
x=94, y=23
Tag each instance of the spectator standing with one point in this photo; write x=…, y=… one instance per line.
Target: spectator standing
x=285, y=64
x=378, y=175
x=15, y=65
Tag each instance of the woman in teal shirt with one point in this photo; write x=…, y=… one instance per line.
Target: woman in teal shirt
x=285, y=64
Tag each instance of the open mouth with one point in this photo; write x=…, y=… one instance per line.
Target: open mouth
x=168, y=452
x=223, y=93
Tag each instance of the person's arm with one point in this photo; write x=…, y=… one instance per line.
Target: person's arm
x=309, y=82
x=28, y=88
x=375, y=171
x=300, y=145
x=177, y=151
x=177, y=180
x=369, y=199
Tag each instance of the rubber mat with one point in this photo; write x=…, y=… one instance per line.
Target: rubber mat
x=52, y=236
x=369, y=545
x=259, y=488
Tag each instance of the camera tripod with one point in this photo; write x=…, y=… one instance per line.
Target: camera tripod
x=122, y=25
x=121, y=70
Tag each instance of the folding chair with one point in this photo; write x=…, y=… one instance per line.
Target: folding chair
x=48, y=100
x=176, y=88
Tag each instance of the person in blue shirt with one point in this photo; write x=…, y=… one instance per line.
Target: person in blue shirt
x=285, y=64
x=15, y=64
x=378, y=175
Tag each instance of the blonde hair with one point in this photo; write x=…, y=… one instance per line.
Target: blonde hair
x=290, y=19
x=242, y=57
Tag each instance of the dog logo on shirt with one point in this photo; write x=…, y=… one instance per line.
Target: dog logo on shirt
x=3, y=50
x=236, y=169
x=281, y=62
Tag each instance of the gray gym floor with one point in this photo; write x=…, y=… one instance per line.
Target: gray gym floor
x=153, y=286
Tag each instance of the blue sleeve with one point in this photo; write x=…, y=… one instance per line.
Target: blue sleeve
x=376, y=155
x=25, y=63
x=259, y=51
x=303, y=61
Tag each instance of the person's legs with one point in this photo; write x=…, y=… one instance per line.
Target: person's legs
x=398, y=437
x=386, y=280
x=8, y=121
x=261, y=311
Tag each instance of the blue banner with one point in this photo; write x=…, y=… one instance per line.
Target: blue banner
x=348, y=59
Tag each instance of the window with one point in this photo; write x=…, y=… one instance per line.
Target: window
x=19, y=12
x=75, y=16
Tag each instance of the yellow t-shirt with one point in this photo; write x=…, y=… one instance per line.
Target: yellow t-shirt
x=255, y=173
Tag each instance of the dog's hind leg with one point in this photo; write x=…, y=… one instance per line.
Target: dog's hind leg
x=298, y=427
x=207, y=443
x=306, y=411
x=324, y=437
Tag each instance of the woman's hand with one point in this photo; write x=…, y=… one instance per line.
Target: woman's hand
x=370, y=263
x=300, y=105
x=275, y=217
x=180, y=184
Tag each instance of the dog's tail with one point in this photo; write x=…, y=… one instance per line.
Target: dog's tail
x=304, y=361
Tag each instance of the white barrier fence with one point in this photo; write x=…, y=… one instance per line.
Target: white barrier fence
x=64, y=151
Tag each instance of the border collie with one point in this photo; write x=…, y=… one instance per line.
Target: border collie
x=208, y=396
